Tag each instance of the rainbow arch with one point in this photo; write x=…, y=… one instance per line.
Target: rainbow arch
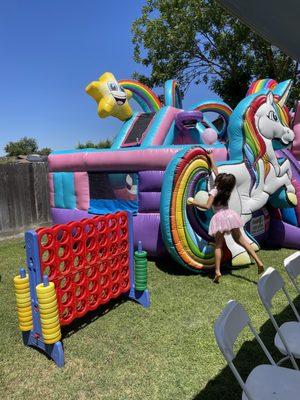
x=142, y=94
x=193, y=249
x=218, y=107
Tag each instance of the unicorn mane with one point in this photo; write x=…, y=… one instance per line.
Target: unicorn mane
x=254, y=141
x=261, y=84
x=282, y=112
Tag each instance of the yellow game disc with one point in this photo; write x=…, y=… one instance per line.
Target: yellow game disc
x=22, y=287
x=45, y=306
x=25, y=314
x=25, y=323
x=56, y=335
x=49, y=315
x=52, y=337
x=52, y=341
x=46, y=295
x=24, y=320
x=25, y=328
x=41, y=289
x=20, y=281
x=48, y=311
x=47, y=300
x=51, y=331
x=23, y=304
x=22, y=296
x=46, y=321
x=51, y=326
x=22, y=290
x=24, y=309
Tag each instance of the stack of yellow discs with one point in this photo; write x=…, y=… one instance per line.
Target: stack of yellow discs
x=48, y=312
x=22, y=292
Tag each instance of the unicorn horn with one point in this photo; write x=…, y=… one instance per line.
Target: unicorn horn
x=283, y=90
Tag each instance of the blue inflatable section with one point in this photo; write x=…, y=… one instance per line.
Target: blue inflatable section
x=289, y=216
x=64, y=190
x=158, y=119
x=279, y=199
x=112, y=206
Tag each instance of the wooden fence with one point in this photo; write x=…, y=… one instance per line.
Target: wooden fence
x=24, y=197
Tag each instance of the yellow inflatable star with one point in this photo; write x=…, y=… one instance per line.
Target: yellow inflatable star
x=111, y=98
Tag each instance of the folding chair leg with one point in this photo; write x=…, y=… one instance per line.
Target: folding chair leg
x=282, y=360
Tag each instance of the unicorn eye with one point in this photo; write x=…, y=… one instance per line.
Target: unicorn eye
x=272, y=116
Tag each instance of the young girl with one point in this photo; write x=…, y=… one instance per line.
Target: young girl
x=224, y=220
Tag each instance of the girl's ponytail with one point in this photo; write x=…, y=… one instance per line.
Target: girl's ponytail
x=224, y=184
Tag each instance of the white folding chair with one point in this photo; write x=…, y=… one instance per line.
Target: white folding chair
x=265, y=382
x=292, y=266
x=287, y=338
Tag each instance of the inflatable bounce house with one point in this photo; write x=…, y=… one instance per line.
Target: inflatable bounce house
x=159, y=159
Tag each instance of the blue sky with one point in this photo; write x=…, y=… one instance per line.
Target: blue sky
x=50, y=51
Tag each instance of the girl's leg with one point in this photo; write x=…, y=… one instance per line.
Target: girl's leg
x=219, y=239
x=239, y=238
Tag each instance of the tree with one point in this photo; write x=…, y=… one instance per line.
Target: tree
x=45, y=151
x=105, y=144
x=24, y=146
x=197, y=41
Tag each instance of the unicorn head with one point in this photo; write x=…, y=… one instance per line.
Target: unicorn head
x=259, y=125
x=271, y=121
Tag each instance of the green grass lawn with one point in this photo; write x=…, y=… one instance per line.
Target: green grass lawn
x=165, y=352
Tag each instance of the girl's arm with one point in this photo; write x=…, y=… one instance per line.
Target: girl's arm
x=213, y=165
x=206, y=206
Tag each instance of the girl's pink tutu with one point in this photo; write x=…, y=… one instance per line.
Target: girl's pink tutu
x=224, y=220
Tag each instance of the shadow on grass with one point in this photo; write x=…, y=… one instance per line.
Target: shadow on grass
x=165, y=264
x=244, y=278
x=269, y=246
x=224, y=386
x=92, y=316
x=170, y=267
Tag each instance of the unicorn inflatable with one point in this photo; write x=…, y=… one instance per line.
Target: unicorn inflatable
x=256, y=123
x=158, y=159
